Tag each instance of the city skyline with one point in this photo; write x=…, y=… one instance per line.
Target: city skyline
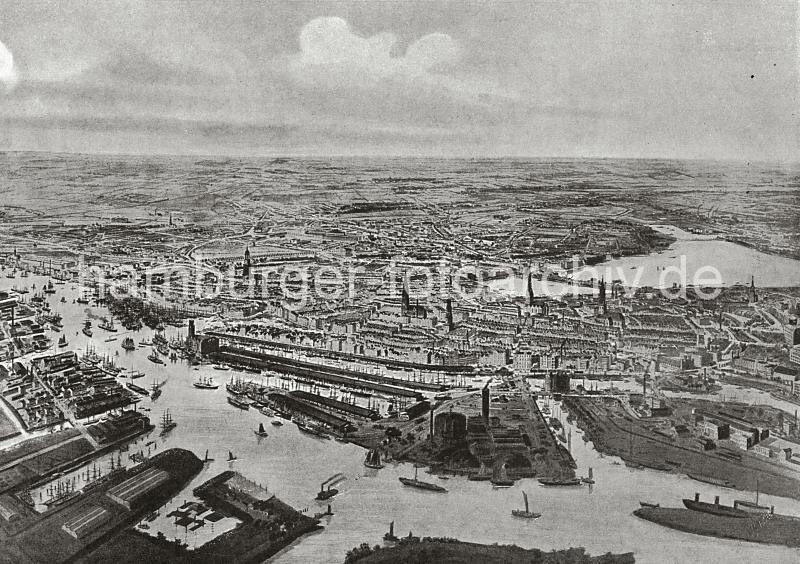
x=454, y=80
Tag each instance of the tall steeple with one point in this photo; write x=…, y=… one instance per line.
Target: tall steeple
x=246, y=267
x=752, y=297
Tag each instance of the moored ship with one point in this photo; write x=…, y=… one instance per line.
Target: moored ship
x=560, y=481
x=416, y=483
x=712, y=480
x=373, y=459
x=238, y=402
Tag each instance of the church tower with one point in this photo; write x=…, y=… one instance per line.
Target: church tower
x=246, y=266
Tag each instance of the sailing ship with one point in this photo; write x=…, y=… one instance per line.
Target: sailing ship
x=62, y=341
x=206, y=383
x=153, y=357
x=128, y=344
x=167, y=423
x=588, y=479
x=155, y=391
x=373, y=459
x=526, y=513
x=87, y=328
x=237, y=402
x=390, y=536
x=500, y=478
x=49, y=288
x=206, y=459
x=416, y=483
x=261, y=432
x=231, y=457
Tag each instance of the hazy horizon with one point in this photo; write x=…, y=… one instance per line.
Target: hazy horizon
x=440, y=79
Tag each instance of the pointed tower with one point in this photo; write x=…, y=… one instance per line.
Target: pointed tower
x=752, y=297
x=246, y=266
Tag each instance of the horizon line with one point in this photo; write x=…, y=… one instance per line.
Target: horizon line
x=315, y=156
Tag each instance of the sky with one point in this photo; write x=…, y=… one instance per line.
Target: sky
x=698, y=79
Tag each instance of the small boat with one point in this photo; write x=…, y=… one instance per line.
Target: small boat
x=416, y=483
x=560, y=481
x=277, y=422
x=87, y=328
x=526, y=513
x=648, y=504
x=62, y=341
x=373, y=459
x=221, y=367
x=712, y=480
x=261, y=432
x=206, y=459
x=237, y=402
x=155, y=391
x=588, y=479
x=231, y=457
x=206, y=384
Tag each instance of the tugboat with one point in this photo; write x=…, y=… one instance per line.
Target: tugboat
x=373, y=459
x=107, y=324
x=155, y=391
x=62, y=341
x=261, y=432
x=416, y=483
x=87, y=328
x=128, y=344
x=206, y=384
x=526, y=513
x=153, y=357
x=167, y=424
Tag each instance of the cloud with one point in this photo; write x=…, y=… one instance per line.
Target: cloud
x=8, y=72
x=332, y=56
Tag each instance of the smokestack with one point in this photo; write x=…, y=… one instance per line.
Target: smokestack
x=716, y=500
x=431, y=425
x=485, y=402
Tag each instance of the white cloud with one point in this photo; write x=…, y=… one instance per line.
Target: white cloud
x=8, y=72
x=331, y=55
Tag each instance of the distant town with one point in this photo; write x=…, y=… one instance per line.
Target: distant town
x=477, y=334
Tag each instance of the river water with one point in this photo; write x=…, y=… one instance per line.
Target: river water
x=292, y=465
